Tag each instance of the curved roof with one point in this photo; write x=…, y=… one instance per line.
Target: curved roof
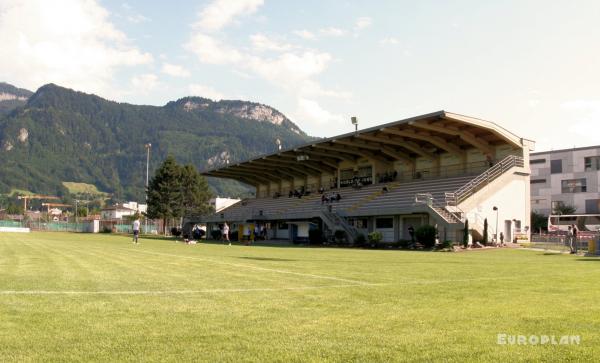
x=422, y=136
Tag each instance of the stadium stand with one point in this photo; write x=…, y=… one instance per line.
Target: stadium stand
x=440, y=169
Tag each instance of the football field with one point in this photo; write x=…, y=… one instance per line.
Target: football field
x=83, y=297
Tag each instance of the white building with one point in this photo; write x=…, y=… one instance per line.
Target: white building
x=568, y=177
x=119, y=211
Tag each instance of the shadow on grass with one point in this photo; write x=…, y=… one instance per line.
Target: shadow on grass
x=267, y=259
x=590, y=259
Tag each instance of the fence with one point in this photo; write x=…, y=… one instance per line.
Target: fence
x=11, y=224
x=561, y=242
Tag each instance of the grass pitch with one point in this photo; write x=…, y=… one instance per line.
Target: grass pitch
x=81, y=297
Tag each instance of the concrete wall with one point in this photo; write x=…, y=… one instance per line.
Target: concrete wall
x=510, y=194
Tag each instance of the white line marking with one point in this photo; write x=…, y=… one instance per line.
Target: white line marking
x=171, y=292
x=265, y=289
x=354, y=282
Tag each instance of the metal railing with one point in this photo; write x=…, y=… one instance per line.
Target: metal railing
x=486, y=177
x=428, y=200
x=334, y=220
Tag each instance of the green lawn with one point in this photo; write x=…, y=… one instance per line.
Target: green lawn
x=81, y=297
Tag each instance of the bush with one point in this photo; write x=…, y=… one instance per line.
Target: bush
x=375, y=239
x=215, y=234
x=175, y=231
x=426, y=235
x=340, y=236
x=106, y=229
x=315, y=236
x=360, y=240
x=446, y=244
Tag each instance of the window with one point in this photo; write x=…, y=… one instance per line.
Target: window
x=282, y=226
x=384, y=223
x=537, y=181
x=537, y=161
x=592, y=206
x=573, y=186
x=592, y=163
x=555, y=166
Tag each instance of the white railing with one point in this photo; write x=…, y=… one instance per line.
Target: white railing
x=486, y=177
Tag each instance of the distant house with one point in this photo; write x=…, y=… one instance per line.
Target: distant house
x=116, y=212
x=119, y=211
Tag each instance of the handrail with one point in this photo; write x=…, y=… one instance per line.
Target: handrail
x=487, y=176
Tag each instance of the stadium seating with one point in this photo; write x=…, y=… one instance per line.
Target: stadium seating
x=371, y=199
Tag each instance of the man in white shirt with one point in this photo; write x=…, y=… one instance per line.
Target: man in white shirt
x=226, y=233
x=136, y=230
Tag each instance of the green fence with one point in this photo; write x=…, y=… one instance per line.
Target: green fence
x=11, y=224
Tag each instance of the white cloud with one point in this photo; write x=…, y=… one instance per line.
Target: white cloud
x=389, y=41
x=304, y=34
x=292, y=68
x=310, y=112
x=332, y=32
x=363, y=22
x=137, y=18
x=261, y=42
x=68, y=42
x=210, y=50
x=220, y=13
x=144, y=83
x=201, y=90
x=175, y=70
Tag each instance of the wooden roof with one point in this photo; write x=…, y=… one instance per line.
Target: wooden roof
x=425, y=136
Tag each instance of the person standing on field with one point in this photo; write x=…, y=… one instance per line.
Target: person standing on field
x=226, y=233
x=136, y=230
x=573, y=239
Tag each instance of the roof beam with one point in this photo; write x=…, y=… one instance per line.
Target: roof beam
x=337, y=155
x=263, y=172
x=434, y=140
x=275, y=164
x=243, y=174
x=308, y=164
x=408, y=145
x=333, y=163
x=479, y=143
x=398, y=155
x=353, y=150
x=271, y=169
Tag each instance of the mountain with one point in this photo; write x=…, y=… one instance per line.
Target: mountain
x=60, y=135
x=12, y=97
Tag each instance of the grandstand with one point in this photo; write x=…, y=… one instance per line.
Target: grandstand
x=440, y=169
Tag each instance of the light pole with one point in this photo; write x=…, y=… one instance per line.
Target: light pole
x=147, y=146
x=496, y=209
x=354, y=121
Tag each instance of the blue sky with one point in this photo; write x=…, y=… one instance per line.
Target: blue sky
x=531, y=66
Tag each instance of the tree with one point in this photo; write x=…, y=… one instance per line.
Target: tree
x=539, y=222
x=563, y=209
x=164, y=192
x=466, y=234
x=485, y=232
x=195, y=193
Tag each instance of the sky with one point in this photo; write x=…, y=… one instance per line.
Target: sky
x=530, y=66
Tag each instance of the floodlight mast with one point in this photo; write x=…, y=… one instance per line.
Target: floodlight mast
x=354, y=121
